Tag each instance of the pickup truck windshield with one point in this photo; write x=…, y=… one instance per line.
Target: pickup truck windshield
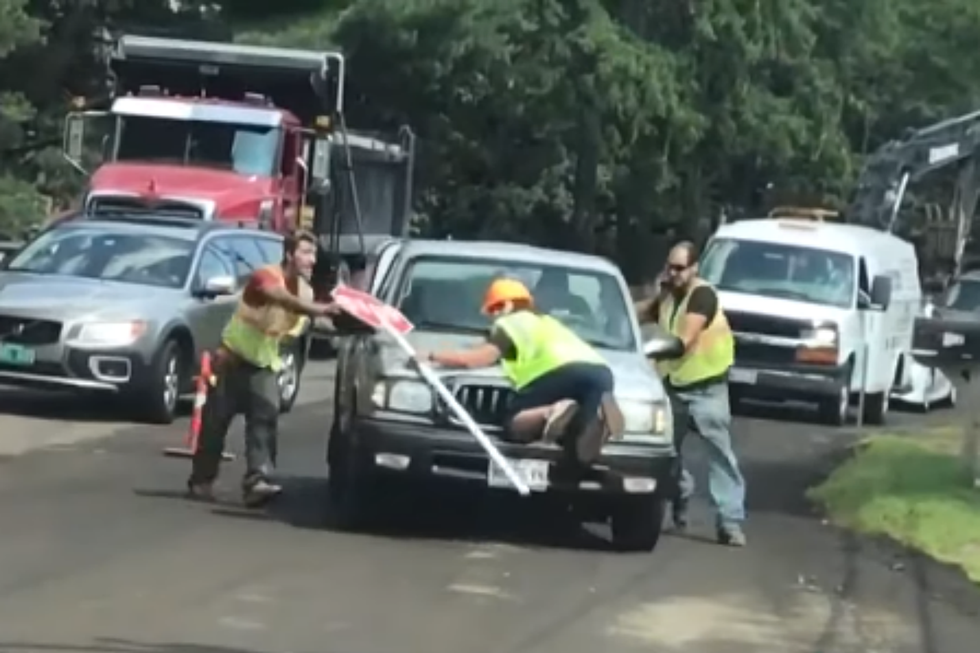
x=806, y=274
x=446, y=294
x=108, y=255
x=245, y=149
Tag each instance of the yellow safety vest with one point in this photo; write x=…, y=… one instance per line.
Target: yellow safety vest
x=256, y=332
x=543, y=344
x=713, y=352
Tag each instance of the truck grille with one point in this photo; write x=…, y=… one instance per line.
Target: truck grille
x=766, y=325
x=756, y=353
x=110, y=205
x=34, y=333
x=487, y=404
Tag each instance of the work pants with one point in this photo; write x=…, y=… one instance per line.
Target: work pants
x=239, y=388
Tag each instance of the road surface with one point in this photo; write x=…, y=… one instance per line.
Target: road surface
x=98, y=553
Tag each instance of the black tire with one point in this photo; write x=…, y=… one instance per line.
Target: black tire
x=637, y=522
x=836, y=411
x=290, y=378
x=350, y=485
x=876, y=408
x=159, y=396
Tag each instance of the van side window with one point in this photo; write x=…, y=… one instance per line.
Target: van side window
x=864, y=281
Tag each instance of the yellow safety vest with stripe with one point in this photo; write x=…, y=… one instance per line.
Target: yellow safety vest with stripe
x=713, y=352
x=543, y=344
x=256, y=332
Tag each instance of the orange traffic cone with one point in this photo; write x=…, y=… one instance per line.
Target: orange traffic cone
x=205, y=379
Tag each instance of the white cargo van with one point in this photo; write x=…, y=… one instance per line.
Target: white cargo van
x=807, y=300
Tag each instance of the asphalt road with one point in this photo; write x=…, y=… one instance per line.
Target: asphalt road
x=98, y=553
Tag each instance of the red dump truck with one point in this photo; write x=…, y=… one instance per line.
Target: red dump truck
x=254, y=135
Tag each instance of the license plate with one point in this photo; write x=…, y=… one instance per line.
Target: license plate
x=533, y=472
x=748, y=377
x=16, y=354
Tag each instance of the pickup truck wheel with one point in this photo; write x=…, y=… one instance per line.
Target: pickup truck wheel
x=159, y=394
x=637, y=522
x=349, y=484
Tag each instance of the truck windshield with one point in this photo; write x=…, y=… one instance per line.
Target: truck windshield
x=806, y=274
x=964, y=295
x=108, y=255
x=245, y=149
x=446, y=294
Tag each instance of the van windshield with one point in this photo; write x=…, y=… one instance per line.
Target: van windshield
x=806, y=274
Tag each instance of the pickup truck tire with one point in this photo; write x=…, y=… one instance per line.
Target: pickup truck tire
x=159, y=395
x=637, y=522
x=349, y=484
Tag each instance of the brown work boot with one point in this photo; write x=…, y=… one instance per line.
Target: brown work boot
x=200, y=491
x=561, y=415
x=612, y=418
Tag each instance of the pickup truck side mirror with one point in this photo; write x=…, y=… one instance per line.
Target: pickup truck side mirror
x=663, y=347
x=320, y=168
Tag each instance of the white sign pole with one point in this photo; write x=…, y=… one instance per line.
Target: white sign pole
x=433, y=380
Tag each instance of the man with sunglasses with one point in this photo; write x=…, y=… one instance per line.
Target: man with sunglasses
x=688, y=307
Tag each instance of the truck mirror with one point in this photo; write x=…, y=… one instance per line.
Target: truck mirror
x=881, y=293
x=320, y=170
x=74, y=138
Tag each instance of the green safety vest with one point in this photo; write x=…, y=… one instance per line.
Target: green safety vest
x=255, y=333
x=713, y=352
x=543, y=344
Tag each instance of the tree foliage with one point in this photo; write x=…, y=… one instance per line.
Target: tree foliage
x=582, y=123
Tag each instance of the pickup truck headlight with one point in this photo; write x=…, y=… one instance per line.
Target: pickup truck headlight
x=646, y=417
x=403, y=397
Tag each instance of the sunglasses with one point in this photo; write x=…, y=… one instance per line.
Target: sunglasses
x=675, y=268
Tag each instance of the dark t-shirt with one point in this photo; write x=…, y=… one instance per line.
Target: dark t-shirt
x=499, y=339
x=703, y=301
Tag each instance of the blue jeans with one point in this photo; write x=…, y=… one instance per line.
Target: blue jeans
x=710, y=417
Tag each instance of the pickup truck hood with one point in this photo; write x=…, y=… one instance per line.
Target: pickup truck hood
x=65, y=299
x=779, y=307
x=634, y=376
x=227, y=189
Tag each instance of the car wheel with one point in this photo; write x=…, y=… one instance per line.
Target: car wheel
x=289, y=377
x=349, y=484
x=637, y=523
x=161, y=393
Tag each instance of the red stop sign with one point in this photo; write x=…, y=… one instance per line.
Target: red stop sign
x=369, y=309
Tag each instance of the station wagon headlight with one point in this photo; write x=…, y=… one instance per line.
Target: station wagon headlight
x=403, y=397
x=645, y=417
x=109, y=334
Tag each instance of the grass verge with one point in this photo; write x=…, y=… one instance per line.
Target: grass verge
x=915, y=490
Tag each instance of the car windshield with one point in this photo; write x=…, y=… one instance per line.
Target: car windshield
x=446, y=293
x=245, y=149
x=964, y=295
x=806, y=274
x=109, y=255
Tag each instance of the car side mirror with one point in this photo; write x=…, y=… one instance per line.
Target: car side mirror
x=663, y=348
x=881, y=293
x=219, y=286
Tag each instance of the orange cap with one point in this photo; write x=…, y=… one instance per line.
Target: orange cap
x=505, y=290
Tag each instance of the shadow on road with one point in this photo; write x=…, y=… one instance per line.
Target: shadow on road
x=61, y=406
x=113, y=645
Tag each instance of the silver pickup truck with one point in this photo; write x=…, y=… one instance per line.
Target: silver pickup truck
x=388, y=424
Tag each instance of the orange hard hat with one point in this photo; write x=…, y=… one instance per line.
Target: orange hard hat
x=505, y=290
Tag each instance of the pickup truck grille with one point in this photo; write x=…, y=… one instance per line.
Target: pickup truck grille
x=25, y=331
x=110, y=205
x=487, y=404
x=766, y=325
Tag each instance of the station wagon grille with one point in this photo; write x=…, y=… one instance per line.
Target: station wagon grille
x=25, y=331
x=766, y=325
x=487, y=404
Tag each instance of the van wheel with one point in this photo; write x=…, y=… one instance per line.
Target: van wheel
x=835, y=411
x=160, y=393
x=876, y=407
x=637, y=522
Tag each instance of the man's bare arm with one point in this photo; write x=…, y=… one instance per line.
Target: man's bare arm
x=281, y=296
x=646, y=310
